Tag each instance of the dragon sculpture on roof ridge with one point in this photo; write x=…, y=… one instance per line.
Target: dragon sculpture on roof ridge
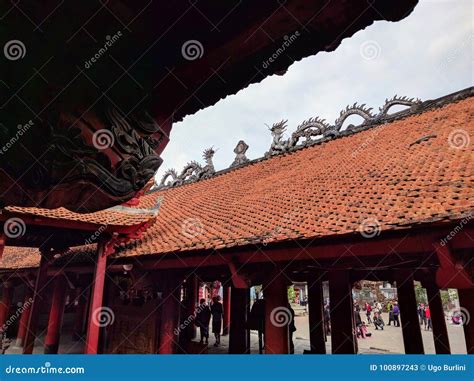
x=395, y=101
x=355, y=109
x=308, y=132
x=191, y=172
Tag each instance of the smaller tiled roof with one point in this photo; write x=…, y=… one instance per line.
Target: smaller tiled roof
x=110, y=216
x=15, y=258
x=19, y=258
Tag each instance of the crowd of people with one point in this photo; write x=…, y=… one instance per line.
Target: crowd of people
x=373, y=312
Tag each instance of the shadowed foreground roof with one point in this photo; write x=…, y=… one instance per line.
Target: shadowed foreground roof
x=411, y=171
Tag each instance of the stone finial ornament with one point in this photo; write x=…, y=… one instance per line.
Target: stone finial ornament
x=240, y=150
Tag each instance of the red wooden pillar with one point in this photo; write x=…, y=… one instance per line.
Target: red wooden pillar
x=343, y=337
x=56, y=314
x=438, y=320
x=39, y=298
x=25, y=316
x=277, y=314
x=316, y=317
x=5, y=304
x=226, y=305
x=410, y=322
x=97, y=297
x=2, y=244
x=239, y=336
x=466, y=302
x=169, y=322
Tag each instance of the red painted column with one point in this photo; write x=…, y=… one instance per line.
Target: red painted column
x=343, y=338
x=97, y=296
x=277, y=315
x=226, y=305
x=410, y=322
x=438, y=320
x=191, y=301
x=169, y=322
x=5, y=304
x=316, y=317
x=466, y=302
x=39, y=298
x=239, y=339
x=2, y=243
x=56, y=314
x=25, y=316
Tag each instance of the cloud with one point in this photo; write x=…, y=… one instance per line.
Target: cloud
x=426, y=55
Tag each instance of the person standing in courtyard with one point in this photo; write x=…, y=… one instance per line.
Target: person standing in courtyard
x=396, y=315
x=427, y=321
x=390, y=312
x=421, y=314
x=368, y=312
x=203, y=317
x=217, y=312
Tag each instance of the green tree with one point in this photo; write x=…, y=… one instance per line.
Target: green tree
x=291, y=294
x=420, y=293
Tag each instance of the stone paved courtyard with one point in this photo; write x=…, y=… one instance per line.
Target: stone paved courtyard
x=388, y=341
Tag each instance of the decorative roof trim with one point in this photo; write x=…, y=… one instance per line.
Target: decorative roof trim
x=316, y=131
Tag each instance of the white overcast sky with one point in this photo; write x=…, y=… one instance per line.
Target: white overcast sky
x=427, y=55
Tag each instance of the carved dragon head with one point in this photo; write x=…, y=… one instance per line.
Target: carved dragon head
x=278, y=129
x=208, y=154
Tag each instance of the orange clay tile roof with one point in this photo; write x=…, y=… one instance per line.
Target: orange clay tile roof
x=399, y=174
x=15, y=258
x=103, y=217
x=19, y=258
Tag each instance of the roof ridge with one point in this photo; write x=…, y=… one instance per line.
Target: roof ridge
x=319, y=127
